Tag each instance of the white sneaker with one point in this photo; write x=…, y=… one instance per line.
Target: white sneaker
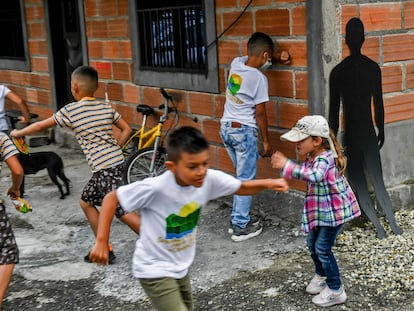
x=316, y=285
x=328, y=297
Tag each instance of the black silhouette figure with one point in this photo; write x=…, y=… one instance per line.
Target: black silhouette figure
x=356, y=81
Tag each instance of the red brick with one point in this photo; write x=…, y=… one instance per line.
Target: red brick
x=243, y=27
x=220, y=101
x=274, y=22
x=409, y=75
x=211, y=128
x=121, y=71
x=243, y=3
x=91, y=8
x=348, y=12
x=289, y=1
x=222, y=79
x=384, y=16
x=115, y=92
x=118, y=28
x=227, y=51
x=127, y=112
x=297, y=50
x=226, y=4
x=265, y=170
x=31, y=95
x=152, y=97
x=44, y=97
x=201, y=103
x=392, y=50
x=299, y=21
x=125, y=52
x=131, y=93
x=280, y=83
x=36, y=30
x=123, y=8
x=107, y=8
x=301, y=84
x=371, y=48
x=104, y=69
x=271, y=113
x=399, y=107
x=290, y=113
x=409, y=15
x=95, y=49
x=391, y=79
x=98, y=29
x=111, y=49
x=34, y=13
x=40, y=64
x=224, y=161
x=188, y=120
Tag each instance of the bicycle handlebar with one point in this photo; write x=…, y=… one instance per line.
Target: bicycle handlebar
x=165, y=94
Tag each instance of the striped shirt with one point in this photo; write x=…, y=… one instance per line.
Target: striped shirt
x=7, y=148
x=329, y=199
x=92, y=121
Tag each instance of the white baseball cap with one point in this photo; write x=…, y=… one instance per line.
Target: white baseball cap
x=314, y=125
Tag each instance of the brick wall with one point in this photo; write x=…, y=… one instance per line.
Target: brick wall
x=389, y=41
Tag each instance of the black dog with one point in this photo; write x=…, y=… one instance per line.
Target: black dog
x=34, y=162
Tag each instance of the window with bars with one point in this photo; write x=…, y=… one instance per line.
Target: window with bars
x=169, y=42
x=13, y=51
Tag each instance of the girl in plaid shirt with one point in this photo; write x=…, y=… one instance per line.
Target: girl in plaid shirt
x=329, y=201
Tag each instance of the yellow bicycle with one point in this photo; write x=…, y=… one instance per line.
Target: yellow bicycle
x=148, y=156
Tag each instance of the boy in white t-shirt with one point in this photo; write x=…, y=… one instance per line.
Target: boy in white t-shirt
x=244, y=118
x=5, y=92
x=170, y=206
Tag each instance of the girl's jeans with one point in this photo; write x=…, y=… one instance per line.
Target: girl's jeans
x=241, y=145
x=320, y=241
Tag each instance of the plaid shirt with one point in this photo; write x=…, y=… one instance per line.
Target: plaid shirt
x=329, y=199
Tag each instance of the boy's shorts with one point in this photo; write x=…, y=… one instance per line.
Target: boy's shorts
x=169, y=294
x=9, y=253
x=101, y=183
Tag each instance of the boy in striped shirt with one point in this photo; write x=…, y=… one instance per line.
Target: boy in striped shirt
x=92, y=122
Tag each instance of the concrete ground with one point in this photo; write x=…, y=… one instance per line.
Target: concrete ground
x=268, y=272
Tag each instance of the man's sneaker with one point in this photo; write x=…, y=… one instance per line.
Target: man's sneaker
x=316, y=285
x=328, y=297
x=243, y=234
x=254, y=219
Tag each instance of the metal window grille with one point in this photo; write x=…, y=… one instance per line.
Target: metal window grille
x=172, y=38
x=11, y=31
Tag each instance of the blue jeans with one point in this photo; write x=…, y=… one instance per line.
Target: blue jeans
x=241, y=145
x=320, y=241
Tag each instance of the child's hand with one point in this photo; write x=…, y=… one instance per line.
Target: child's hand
x=15, y=133
x=100, y=253
x=280, y=185
x=278, y=160
x=284, y=57
x=13, y=193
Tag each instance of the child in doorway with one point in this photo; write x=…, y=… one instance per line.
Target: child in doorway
x=5, y=92
x=92, y=122
x=329, y=202
x=243, y=118
x=166, y=248
x=9, y=253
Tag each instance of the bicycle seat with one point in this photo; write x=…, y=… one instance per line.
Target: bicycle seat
x=145, y=110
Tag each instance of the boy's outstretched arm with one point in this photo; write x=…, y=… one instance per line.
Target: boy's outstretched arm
x=34, y=127
x=100, y=251
x=250, y=187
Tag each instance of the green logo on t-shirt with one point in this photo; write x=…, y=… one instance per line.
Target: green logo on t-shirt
x=183, y=223
x=234, y=83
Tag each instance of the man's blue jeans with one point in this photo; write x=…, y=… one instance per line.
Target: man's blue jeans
x=320, y=241
x=241, y=145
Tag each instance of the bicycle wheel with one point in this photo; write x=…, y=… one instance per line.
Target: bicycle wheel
x=137, y=167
